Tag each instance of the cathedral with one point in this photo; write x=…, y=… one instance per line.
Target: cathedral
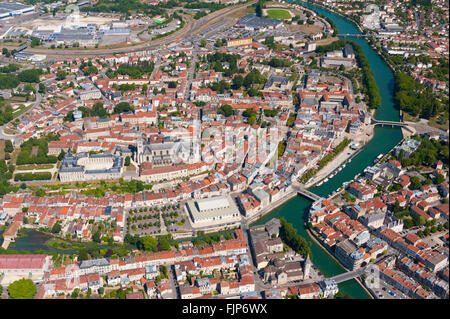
x=166, y=151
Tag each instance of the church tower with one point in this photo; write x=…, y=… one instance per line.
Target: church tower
x=307, y=268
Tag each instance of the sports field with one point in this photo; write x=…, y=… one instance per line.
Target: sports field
x=278, y=14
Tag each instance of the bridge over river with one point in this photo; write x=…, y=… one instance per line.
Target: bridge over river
x=299, y=188
x=353, y=35
x=348, y=275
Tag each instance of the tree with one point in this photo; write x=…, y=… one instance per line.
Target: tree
x=440, y=179
x=144, y=88
x=22, y=289
x=127, y=161
x=96, y=237
x=347, y=196
x=8, y=146
x=258, y=9
x=56, y=228
x=415, y=183
x=123, y=107
x=172, y=84
x=30, y=75
x=61, y=155
x=203, y=43
x=83, y=254
x=35, y=42
x=163, y=243
x=149, y=243
x=419, y=220
x=238, y=82
x=41, y=88
x=75, y=293
x=99, y=110
x=226, y=110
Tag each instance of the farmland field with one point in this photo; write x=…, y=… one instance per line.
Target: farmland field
x=278, y=14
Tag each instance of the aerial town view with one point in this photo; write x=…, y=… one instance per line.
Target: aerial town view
x=224, y=149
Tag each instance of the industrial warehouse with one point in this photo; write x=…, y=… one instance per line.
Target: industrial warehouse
x=85, y=35
x=252, y=22
x=10, y=9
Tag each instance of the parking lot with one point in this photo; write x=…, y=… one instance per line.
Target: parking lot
x=386, y=291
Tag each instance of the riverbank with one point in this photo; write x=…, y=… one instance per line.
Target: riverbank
x=357, y=25
x=342, y=159
x=384, y=139
x=314, y=237
x=267, y=210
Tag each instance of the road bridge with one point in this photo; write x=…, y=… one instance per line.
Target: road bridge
x=391, y=123
x=348, y=275
x=304, y=192
x=353, y=35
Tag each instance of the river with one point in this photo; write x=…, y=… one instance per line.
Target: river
x=385, y=138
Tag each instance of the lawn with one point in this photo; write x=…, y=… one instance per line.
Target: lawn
x=33, y=166
x=278, y=14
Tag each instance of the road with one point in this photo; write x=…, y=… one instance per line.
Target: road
x=4, y=136
x=259, y=284
x=191, y=27
x=191, y=71
x=173, y=283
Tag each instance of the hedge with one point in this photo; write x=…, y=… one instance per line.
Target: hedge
x=32, y=176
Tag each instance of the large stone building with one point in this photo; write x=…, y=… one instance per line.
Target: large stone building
x=213, y=211
x=164, y=151
x=14, y=267
x=86, y=167
x=239, y=42
x=348, y=254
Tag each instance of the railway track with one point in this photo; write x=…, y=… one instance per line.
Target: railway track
x=191, y=27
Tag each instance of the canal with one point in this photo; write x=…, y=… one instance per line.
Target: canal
x=385, y=138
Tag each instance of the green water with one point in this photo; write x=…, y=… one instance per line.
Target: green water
x=32, y=240
x=384, y=139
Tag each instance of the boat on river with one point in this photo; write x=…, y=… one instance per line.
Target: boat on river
x=379, y=157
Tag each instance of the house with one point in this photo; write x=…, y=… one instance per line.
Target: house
x=309, y=291
x=361, y=191
x=415, y=210
x=189, y=292
x=328, y=288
